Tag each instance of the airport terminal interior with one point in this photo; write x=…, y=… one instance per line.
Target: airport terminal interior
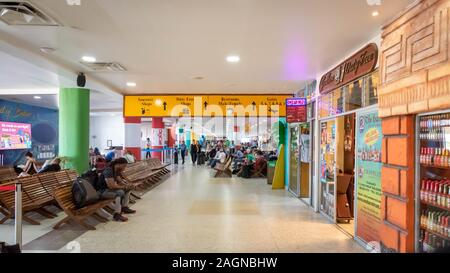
x=207, y=126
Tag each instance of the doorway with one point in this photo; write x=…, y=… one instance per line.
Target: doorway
x=337, y=165
x=345, y=173
x=305, y=162
x=294, y=159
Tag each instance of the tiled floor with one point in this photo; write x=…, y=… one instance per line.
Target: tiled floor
x=193, y=212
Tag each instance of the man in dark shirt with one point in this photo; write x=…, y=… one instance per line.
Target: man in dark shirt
x=183, y=150
x=194, y=149
x=112, y=186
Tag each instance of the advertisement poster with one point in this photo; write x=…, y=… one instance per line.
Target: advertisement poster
x=14, y=136
x=305, y=148
x=368, y=167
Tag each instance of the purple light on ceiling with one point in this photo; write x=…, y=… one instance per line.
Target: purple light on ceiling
x=294, y=63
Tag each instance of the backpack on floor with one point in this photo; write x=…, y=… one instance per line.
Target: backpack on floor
x=83, y=193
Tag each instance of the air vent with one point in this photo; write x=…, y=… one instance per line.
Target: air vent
x=105, y=67
x=24, y=14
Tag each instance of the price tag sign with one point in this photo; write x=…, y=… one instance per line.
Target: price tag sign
x=296, y=110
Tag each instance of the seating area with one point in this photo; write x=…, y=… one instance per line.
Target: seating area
x=37, y=193
x=148, y=172
x=224, y=170
x=55, y=189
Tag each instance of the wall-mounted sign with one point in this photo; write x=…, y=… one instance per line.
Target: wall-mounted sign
x=296, y=110
x=205, y=105
x=15, y=136
x=360, y=64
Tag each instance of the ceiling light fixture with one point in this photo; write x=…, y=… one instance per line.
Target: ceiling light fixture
x=89, y=59
x=375, y=13
x=233, y=59
x=131, y=84
x=37, y=97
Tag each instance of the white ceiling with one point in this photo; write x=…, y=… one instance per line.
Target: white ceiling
x=165, y=43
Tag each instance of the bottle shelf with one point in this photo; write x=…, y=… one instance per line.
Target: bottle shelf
x=442, y=236
x=435, y=206
x=435, y=166
x=424, y=129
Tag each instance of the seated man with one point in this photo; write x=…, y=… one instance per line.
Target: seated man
x=260, y=164
x=221, y=156
x=238, y=157
x=52, y=167
x=112, y=186
x=212, y=155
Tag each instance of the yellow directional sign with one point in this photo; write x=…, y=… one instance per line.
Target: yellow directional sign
x=205, y=105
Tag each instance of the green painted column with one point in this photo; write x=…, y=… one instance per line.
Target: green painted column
x=74, y=128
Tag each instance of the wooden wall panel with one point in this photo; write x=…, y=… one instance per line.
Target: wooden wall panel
x=414, y=45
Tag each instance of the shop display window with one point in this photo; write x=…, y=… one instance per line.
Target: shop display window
x=371, y=89
x=325, y=104
x=434, y=182
x=356, y=95
x=353, y=95
x=311, y=110
x=338, y=102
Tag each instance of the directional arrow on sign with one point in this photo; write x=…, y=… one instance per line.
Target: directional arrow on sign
x=165, y=106
x=206, y=105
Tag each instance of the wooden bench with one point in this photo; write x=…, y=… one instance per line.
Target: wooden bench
x=141, y=174
x=223, y=170
x=7, y=174
x=155, y=164
x=37, y=193
x=63, y=195
x=8, y=200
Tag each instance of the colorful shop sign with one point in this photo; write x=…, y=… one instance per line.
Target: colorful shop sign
x=205, y=105
x=368, y=178
x=296, y=110
x=360, y=64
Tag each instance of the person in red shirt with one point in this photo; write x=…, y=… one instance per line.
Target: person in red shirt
x=260, y=163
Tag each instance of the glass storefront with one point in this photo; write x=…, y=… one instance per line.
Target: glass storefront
x=356, y=95
x=345, y=160
x=301, y=150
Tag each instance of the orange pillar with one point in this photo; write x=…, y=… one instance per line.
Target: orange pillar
x=397, y=181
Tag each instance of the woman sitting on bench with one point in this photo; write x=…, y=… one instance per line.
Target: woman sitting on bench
x=112, y=186
x=29, y=168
